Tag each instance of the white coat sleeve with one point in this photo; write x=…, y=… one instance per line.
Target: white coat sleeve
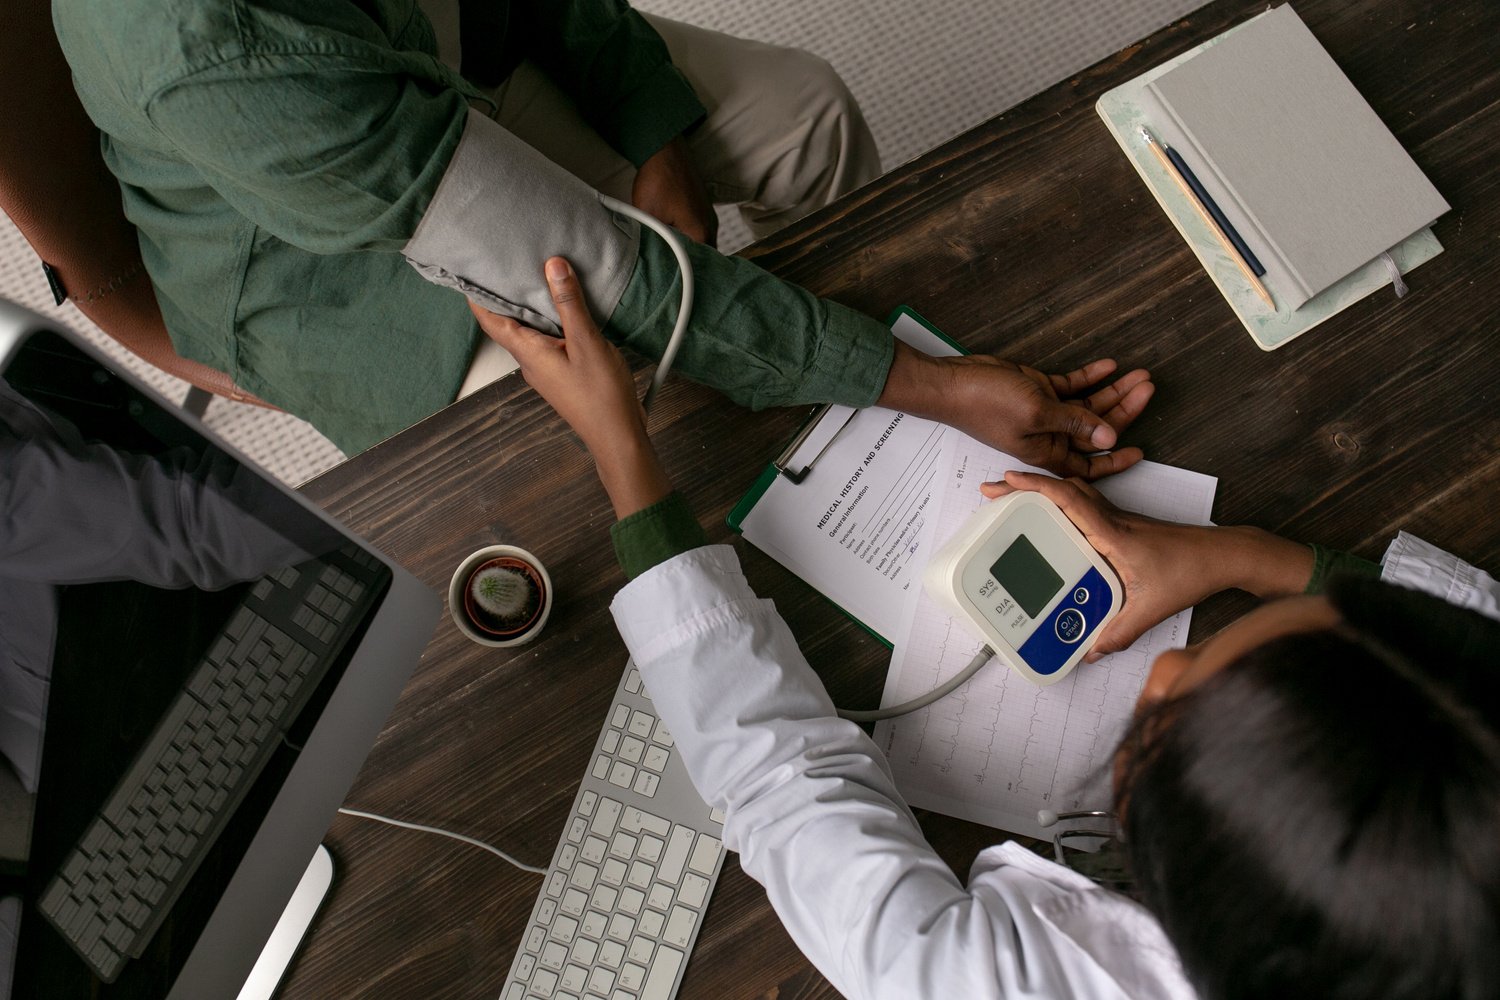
x=810, y=803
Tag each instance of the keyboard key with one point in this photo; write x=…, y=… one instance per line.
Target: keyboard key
x=632, y=976
x=661, y=896
x=556, y=883
x=612, y=954
x=601, y=766
x=554, y=955
x=680, y=925
x=574, y=978
x=656, y=759
x=586, y=803
x=650, y=848
x=621, y=927
x=621, y=774
x=640, y=875
x=662, y=735
x=593, y=850
x=575, y=902
x=632, y=749
x=676, y=854
x=525, y=965
x=546, y=911
x=584, y=951
x=544, y=982
x=594, y=923
x=646, y=784
x=565, y=929
x=633, y=681
x=583, y=877
x=601, y=981
x=652, y=922
x=641, y=949
x=613, y=872
x=694, y=890
x=620, y=717
x=535, y=938
x=604, y=898
x=566, y=857
x=663, y=974
x=705, y=854
x=606, y=818
x=577, y=829
x=611, y=740
x=716, y=816
x=623, y=845
x=637, y=820
x=641, y=724
x=632, y=901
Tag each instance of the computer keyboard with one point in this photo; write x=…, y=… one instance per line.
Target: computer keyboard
x=622, y=903
x=115, y=887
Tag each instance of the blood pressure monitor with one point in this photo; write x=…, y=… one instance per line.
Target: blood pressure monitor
x=1027, y=580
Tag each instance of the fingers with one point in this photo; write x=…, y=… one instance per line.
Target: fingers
x=567, y=296
x=1076, y=381
x=1085, y=429
x=1093, y=467
x=1123, y=400
x=1117, y=635
x=522, y=342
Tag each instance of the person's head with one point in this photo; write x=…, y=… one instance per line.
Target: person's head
x=1311, y=799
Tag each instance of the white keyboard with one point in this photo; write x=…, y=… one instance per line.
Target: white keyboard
x=622, y=902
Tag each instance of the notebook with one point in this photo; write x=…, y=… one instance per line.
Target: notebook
x=1300, y=164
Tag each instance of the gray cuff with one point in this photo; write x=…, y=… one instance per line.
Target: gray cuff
x=501, y=209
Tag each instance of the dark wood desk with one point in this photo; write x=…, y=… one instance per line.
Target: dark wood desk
x=1029, y=236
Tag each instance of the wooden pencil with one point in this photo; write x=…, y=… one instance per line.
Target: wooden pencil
x=1208, y=220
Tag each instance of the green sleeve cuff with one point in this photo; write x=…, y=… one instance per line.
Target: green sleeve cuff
x=655, y=534
x=1327, y=562
x=758, y=339
x=661, y=108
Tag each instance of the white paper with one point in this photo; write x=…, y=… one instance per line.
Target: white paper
x=1000, y=748
x=857, y=527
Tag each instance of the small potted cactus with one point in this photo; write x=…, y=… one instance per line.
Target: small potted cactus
x=500, y=596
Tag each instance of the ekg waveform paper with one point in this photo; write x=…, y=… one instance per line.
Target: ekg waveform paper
x=1000, y=747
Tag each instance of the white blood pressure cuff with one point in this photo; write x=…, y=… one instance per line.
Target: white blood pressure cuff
x=500, y=211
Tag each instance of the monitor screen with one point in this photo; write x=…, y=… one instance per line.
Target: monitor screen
x=174, y=627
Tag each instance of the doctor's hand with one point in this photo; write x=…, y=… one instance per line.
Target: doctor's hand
x=1055, y=422
x=1166, y=567
x=586, y=380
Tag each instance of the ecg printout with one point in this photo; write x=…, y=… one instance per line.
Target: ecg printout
x=1000, y=748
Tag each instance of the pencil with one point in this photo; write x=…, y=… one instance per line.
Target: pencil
x=1208, y=220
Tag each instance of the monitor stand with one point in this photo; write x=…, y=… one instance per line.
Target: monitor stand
x=280, y=948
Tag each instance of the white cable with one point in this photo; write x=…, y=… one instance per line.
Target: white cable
x=443, y=833
x=684, y=311
x=941, y=691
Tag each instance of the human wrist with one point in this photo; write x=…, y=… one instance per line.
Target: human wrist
x=1260, y=562
x=631, y=473
x=914, y=383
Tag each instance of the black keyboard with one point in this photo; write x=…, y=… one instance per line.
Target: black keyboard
x=119, y=882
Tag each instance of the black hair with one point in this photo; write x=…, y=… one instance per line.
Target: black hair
x=1321, y=818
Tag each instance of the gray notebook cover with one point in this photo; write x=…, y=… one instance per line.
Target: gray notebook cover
x=1325, y=185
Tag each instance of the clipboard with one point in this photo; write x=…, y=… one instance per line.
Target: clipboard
x=884, y=537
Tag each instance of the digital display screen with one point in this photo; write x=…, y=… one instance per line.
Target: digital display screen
x=1027, y=577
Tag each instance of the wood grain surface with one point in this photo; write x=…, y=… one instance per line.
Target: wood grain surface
x=1032, y=237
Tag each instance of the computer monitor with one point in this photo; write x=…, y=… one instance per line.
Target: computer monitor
x=138, y=557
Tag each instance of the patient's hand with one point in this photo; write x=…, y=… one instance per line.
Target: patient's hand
x=1057, y=422
x=588, y=383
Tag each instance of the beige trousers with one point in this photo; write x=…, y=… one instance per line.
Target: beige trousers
x=783, y=137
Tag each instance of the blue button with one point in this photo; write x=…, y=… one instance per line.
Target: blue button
x=1070, y=625
x=1081, y=595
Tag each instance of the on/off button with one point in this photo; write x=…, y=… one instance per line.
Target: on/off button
x=1069, y=625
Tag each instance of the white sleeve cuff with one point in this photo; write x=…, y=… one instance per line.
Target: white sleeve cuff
x=1411, y=562
x=501, y=209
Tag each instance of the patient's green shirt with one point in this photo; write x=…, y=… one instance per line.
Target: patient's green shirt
x=277, y=155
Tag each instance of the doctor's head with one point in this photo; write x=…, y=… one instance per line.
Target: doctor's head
x=1311, y=799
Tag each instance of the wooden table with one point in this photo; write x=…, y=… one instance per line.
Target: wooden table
x=1029, y=236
